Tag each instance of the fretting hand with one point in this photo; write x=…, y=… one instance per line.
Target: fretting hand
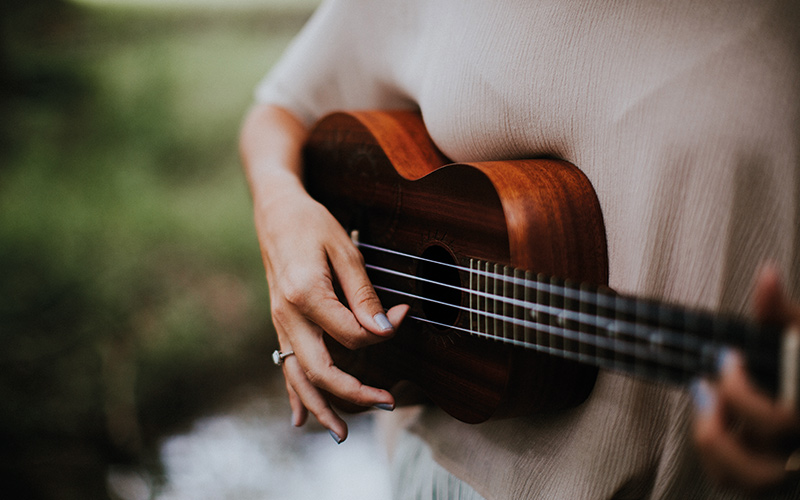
x=744, y=437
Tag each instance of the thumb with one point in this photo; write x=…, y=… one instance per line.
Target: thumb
x=359, y=292
x=366, y=305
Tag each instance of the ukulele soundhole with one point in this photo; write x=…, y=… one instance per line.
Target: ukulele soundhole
x=440, y=287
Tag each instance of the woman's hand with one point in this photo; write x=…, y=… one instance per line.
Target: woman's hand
x=305, y=251
x=744, y=437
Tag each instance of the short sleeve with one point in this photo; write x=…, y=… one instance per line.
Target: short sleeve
x=337, y=61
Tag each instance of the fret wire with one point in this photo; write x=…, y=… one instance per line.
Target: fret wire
x=507, y=310
x=519, y=311
x=571, y=306
x=615, y=346
x=642, y=311
x=529, y=335
x=737, y=332
x=524, y=282
x=585, y=307
x=471, y=294
x=542, y=313
x=603, y=298
x=620, y=318
x=495, y=289
x=557, y=304
x=670, y=337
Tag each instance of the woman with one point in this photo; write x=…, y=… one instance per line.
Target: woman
x=682, y=114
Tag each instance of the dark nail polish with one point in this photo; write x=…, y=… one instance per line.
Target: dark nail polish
x=703, y=396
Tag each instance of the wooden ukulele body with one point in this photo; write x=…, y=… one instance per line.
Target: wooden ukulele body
x=380, y=174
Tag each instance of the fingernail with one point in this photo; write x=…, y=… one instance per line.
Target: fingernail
x=703, y=396
x=384, y=406
x=726, y=359
x=335, y=437
x=383, y=322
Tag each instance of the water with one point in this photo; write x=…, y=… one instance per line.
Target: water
x=251, y=451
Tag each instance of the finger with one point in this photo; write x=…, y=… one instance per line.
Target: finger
x=318, y=366
x=313, y=400
x=343, y=325
x=765, y=419
x=348, y=264
x=724, y=456
x=320, y=371
x=769, y=300
x=304, y=293
x=299, y=412
x=397, y=314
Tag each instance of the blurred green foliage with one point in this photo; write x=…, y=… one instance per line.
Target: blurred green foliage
x=133, y=295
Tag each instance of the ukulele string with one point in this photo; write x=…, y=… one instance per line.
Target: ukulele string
x=686, y=360
x=595, y=295
x=553, y=289
x=694, y=328
x=612, y=363
x=661, y=336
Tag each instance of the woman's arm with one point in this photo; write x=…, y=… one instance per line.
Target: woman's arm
x=304, y=250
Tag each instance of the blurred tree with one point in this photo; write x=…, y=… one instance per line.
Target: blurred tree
x=132, y=295
x=51, y=415
x=25, y=24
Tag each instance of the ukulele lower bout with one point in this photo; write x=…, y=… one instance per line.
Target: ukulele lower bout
x=484, y=337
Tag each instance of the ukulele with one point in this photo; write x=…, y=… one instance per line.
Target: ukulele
x=505, y=266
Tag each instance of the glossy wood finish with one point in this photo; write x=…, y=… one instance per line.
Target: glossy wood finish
x=380, y=174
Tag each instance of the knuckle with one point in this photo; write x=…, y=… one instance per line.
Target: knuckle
x=278, y=312
x=352, y=257
x=350, y=342
x=361, y=397
x=355, y=257
x=315, y=376
x=296, y=289
x=325, y=416
x=365, y=295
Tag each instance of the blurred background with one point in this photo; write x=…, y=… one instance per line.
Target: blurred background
x=133, y=307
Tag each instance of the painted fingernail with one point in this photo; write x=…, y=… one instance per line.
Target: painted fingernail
x=383, y=322
x=726, y=359
x=384, y=406
x=335, y=437
x=703, y=396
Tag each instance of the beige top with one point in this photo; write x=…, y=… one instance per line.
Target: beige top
x=683, y=114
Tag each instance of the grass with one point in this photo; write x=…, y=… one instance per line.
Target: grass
x=134, y=295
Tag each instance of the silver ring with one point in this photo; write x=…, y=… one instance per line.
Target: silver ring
x=278, y=357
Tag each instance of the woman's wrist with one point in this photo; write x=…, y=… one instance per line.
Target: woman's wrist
x=275, y=186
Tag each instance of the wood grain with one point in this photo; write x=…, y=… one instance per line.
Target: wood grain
x=379, y=173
